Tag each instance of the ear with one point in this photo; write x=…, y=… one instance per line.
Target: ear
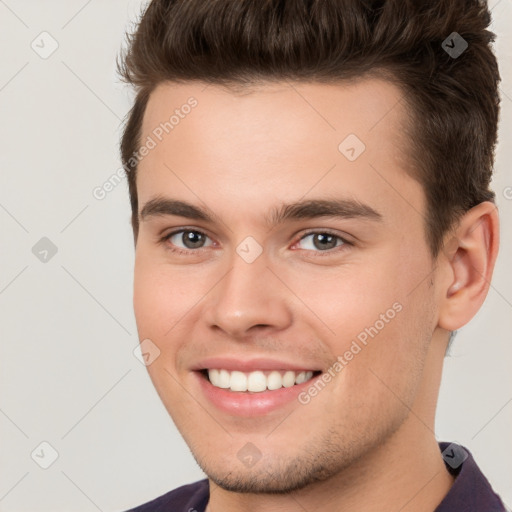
x=468, y=259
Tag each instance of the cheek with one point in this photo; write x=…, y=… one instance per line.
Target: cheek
x=162, y=296
x=147, y=299
x=344, y=301
x=372, y=312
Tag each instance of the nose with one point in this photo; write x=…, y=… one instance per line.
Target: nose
x=247, y=299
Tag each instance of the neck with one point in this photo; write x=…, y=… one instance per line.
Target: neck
x=410, y=477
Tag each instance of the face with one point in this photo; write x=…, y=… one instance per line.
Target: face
x=282, y=276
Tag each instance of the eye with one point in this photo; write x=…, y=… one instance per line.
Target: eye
x=322, y=241
x=190, y=238
x=190, y=241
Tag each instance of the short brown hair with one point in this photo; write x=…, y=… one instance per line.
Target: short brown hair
x=452, y=100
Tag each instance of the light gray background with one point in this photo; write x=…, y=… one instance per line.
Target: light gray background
x=68, y=375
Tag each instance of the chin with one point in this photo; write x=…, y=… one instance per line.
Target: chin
x=263, y=481
x=276, y=474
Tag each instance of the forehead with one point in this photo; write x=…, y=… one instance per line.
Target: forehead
x=360, y=106
x=278, y=141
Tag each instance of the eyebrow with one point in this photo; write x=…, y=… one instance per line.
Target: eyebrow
x=303, y=209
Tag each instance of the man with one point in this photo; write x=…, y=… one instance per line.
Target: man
x=312, y=218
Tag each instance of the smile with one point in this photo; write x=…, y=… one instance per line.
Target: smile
x=252, y=387
x=257, y=381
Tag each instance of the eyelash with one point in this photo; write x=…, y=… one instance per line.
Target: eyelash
x=328, y=252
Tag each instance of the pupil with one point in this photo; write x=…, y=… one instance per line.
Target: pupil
x=325, y=238
x=189, y=238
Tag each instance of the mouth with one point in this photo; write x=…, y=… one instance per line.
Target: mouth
x=252, y=387
x=257, y=381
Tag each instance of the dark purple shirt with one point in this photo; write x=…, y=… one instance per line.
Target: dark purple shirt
x=471, y=492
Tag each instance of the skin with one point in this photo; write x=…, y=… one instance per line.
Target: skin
x=366, y=442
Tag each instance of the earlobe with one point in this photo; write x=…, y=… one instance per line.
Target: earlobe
x=469, y=260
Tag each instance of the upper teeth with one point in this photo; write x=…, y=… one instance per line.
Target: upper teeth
x=256, y=381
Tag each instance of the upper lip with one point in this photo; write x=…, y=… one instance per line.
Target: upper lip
x=249, y=365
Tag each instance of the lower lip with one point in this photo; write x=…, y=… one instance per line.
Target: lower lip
x=249, y=403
